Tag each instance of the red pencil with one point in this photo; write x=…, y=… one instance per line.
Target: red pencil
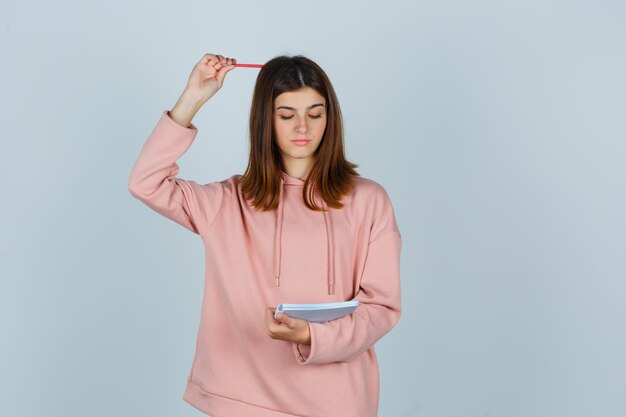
x=249, y=65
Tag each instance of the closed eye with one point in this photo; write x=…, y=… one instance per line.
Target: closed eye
x=289, y=117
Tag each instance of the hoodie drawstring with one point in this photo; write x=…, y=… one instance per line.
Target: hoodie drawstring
x=279, y=234
x=331, y=250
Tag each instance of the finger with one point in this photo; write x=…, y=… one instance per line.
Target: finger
x=274, y=329
x=280, y=317
x=222, y=62
x=269, y=316
x=286, y=320
x=276, y=321
x=221, y=74
x=226, y=61
x=221, y=58
x=209, y=59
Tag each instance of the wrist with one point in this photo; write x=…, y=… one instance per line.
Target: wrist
x=185, y=109
x=307, y=335
x=190, y=100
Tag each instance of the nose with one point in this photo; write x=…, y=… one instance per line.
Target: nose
x=302, y=126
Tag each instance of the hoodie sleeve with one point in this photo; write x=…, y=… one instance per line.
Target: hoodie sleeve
x=345, y=338
x=153, y=178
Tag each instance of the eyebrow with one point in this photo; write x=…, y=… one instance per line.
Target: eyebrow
x=291, y=108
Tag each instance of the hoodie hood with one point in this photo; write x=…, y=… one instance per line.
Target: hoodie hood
x=287, y=180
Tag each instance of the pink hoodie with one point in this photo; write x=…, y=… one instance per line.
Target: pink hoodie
x=260, y=259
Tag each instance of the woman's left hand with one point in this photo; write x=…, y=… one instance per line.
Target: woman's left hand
x=287, y=328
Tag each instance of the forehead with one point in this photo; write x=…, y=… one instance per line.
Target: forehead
x=300, y=98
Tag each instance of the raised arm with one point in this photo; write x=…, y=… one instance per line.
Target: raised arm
x=153, y=178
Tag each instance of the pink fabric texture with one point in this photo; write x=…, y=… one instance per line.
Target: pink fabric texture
x=256, y=259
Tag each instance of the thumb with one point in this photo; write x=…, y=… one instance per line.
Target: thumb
x=285, y=319
x=221, y=74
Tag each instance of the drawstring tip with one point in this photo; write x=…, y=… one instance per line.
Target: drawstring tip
x=331, y=289
x=277, y=282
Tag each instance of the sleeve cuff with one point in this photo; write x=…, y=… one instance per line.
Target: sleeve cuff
x=306, y=353
x=302, y=352
x=168, y=118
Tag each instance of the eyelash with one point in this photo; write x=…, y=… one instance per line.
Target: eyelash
x=312, y=117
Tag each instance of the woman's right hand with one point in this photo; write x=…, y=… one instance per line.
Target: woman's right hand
x=207, y=77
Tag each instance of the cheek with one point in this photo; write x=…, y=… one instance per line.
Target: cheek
x=280, y=129
x=282, y=135
x=321, y=128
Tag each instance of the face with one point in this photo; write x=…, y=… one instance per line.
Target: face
x=299, y=114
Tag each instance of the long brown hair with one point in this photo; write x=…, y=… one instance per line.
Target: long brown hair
x=331, y=176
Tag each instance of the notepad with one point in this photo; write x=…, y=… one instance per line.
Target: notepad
x=317, y=313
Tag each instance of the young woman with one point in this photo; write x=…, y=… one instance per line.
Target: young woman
x=299, y=226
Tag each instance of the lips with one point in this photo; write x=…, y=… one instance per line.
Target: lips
x=301, y=141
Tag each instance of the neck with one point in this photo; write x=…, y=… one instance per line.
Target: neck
x=297, y=168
